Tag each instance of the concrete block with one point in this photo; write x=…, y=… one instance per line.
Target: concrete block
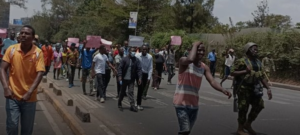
x=44, y=80
x=67, y=100
x=82, y=114
x=50, y=85
x=57, y=91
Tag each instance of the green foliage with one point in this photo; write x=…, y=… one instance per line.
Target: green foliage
x=284, y=49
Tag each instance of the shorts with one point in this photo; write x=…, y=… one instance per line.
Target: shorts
x=186, y=119
x=227, y=71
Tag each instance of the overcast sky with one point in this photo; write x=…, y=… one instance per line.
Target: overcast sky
x=238, y=10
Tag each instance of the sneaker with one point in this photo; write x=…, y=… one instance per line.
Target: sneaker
x=102, y=100
x=70, y=85
x=133, y=108
x=67, y=80
x=169, y=83
x=145, y=98
x=140, y=108
x=94, y=90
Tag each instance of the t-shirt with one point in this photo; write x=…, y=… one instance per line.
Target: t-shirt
x=86, y=58
x=100, y=61
x=73, y=56
x=7, y=43
x=57, y=56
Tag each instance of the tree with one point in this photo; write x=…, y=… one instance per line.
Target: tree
x=193, y=15
x=278, y=21
x=261, y=13
x=298, y=25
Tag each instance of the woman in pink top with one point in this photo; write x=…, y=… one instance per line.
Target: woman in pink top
x=186, y=98
x=57, y=58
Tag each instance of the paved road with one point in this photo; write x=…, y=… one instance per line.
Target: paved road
x=47, y=120
x=215, y=116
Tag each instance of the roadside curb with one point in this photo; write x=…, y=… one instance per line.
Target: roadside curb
x=74, y=121
x=278, y=85
x=70, y=121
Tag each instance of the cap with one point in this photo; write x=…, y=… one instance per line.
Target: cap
x=249, y=45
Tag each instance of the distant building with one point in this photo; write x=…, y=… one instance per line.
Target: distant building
x=4, y=14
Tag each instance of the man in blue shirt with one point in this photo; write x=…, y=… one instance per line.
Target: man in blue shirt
x=86, y=63
x=213, y=59
x=126, y=48
x=8, y=42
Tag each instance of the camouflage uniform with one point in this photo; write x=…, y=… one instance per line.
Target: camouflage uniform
x=245, y=89
x=268, y=64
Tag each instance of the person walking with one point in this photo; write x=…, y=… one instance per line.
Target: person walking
x=48, y=54
x=118, y=59
x=147, y=68
x=57, y=58
x=230, y=58
x=159, y=67
x=186, y=97
x=98, y=70
x=248, y=74
x=129, y=69
x=213, y=61
x=86, y=64
x=7, y=42
x=26, y=64
x=107, y=75
x=170, y=60
x=72, y=62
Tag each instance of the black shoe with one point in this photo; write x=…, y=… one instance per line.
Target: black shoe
x=120, y=107
x=84, y=93
x=133, y=108
x=117, y=96
x=144, y=98
x=92, y=94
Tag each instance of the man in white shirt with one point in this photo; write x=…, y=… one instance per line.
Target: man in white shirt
x=147, y=69
x=98, y=69
x=230, y=58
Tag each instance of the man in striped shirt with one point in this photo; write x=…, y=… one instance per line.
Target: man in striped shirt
x=186, y=98
x=147, y=69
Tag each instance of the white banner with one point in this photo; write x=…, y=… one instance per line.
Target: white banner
x=133, y=20
x=136, y=41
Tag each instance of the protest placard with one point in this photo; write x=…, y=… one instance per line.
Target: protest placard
x=93, y=41
x=3, y=33
x=136, y=41
x=73, y=40
x=176, y=40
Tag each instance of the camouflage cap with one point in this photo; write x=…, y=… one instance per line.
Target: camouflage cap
x=249, y=45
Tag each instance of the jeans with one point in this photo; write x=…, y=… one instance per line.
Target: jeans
x=212, y=67
x=107, y=77
x=186, y=118
x=100, y=86
x=130, y=93
x=141, y=88
x=71, y=74
x=170, y=71
x=86, y=77
x=16, y=109
x=47, y=68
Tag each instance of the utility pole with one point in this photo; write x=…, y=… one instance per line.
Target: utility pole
x=137, y=16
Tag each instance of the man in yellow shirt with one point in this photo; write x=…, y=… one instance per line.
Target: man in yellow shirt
x=26, y=64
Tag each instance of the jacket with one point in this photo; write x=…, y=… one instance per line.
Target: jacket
x=136, y=69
